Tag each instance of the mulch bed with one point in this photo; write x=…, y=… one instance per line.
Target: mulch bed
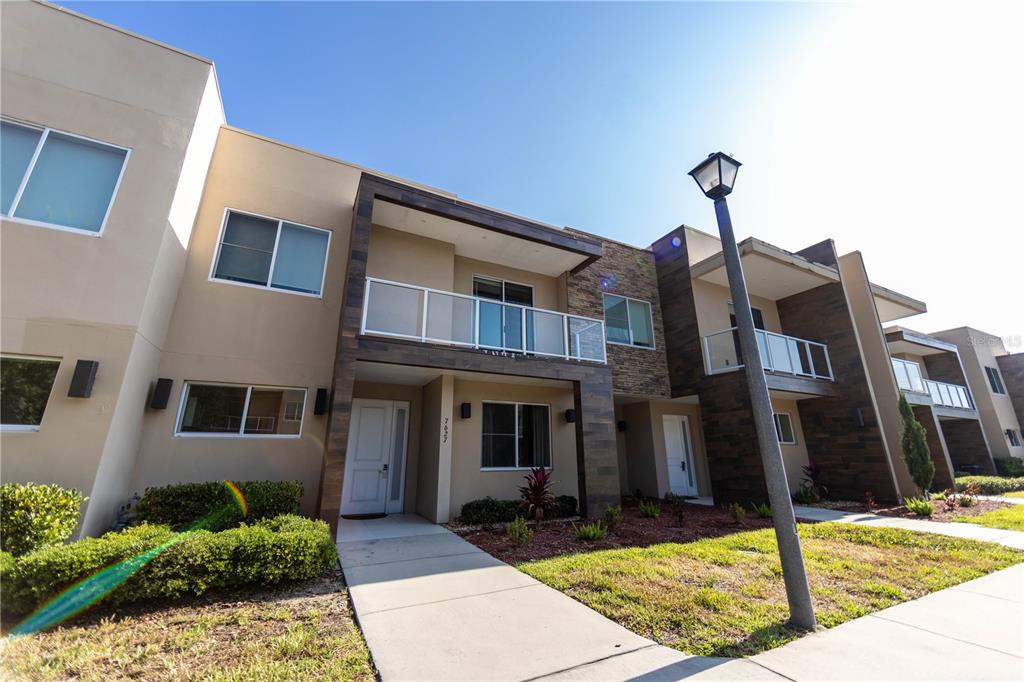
x=556, y=538
x=941, y=513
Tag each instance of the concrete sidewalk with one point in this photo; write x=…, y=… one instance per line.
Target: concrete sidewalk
x=1008, y=538
x=434, y=607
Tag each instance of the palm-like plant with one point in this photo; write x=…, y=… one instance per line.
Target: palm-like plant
x=537, y=499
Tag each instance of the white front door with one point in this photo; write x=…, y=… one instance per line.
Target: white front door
x=375, y=458
x=682, y=477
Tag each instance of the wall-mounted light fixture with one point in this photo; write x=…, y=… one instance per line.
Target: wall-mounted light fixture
x=83, y=378
x=161, y=394
x=570, y=416
x=320, y=404
x=622, y=426
x=466, y=410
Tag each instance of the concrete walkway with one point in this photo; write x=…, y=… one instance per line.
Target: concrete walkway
x=434, y=607
x=1008, y=538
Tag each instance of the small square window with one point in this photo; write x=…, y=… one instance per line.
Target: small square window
x=995, y=381
x=628, y=321
x=25, y=386
x=784, y=429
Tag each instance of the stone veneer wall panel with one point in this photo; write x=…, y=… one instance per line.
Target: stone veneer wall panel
x=632, y=273
x=853, y=457
x=968, y=449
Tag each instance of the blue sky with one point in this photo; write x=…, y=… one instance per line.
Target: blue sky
x=589, y=115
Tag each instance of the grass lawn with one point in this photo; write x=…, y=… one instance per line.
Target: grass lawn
x=1009, y=518
x=299, y=631
x=1019, y=493
x=724, y=596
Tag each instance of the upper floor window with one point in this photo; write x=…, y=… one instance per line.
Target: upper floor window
x=628, y=321
x=25, y=385
x=271, y=253
x=54, y=179
x=1013, y=437
x=995, y=381
x=232, y=410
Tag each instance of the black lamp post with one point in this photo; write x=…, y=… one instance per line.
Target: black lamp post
x=716, y=176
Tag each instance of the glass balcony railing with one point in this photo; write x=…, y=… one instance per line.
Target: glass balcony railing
x=429, y=315
x=779, y=353
x=909, y=378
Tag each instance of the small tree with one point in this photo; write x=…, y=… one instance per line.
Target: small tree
x=915, y=449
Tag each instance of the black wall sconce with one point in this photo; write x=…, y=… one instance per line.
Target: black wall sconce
x=570, y=416
x=320, y=404
x=161, y=394
x=466, y=410
x=622, y=426
x=83, y=378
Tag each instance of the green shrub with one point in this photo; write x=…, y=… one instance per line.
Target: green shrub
x=590, y=531
x=567, y=506
x=1009, y=466
x=34, y=516
x=612, y=516
x=738, y=513
x=919, y=506
x=916, y=454
x=991, y=485
x=650, y=509
x=182, y=505
x=264, y=553
x=489, y=510
x=518, y=532
x=805, y=495
x=763, y=509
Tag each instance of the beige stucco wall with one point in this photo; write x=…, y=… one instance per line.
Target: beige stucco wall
x=875, y=352
x=794, y=456
x=700, y=245
x=712, y=305
x=105, y=298
x=468, y=481
x=977, y=351
x=644, y=445
x=223, y=332
x=409, y=258
x=430, y=443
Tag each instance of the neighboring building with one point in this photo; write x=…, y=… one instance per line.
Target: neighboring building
x=186, y=301
x=996, y=380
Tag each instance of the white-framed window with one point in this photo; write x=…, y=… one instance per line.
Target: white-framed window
x=271, y=253
x=1013, y=437
x=56, y=179
x=239, y=411
x=25, y=386
x=784, y=428
x=515, y=435
x=628, y=321
x=995, y=381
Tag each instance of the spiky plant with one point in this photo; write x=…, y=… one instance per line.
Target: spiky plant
x=536, y=499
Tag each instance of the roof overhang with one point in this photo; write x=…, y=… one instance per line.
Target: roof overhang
x=771, y=272
x=478, y=232
x=902, y=340
x=892, y=305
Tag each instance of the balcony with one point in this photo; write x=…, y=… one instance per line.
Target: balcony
x=779, y=353
x=909, y=378
x=407, y=311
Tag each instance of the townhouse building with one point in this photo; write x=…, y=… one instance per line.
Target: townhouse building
x=182, y=300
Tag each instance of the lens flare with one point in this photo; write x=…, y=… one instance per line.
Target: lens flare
x=236, y=492
x=88, y=592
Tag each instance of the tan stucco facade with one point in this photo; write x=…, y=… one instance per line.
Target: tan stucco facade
x=978, y=350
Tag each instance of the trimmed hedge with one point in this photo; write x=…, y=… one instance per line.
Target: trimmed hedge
x=489, y=510
x=180, y=506
x=991, y=485
x=1009, y=466
x=267, y=552
x=34, y=516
